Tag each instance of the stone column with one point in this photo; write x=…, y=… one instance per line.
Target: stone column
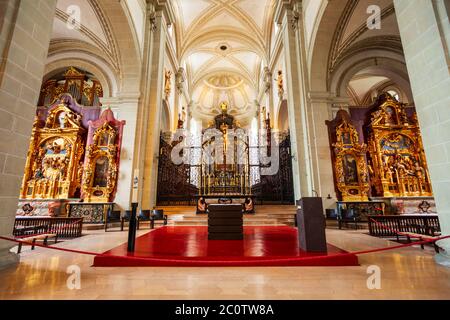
x=425, y=32
x=126, y=108
x=297, y=83
x=150, y=113
x=25, y=31
x=321, y=111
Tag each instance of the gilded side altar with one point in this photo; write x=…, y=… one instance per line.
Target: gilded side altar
x=350, y=168
x=398, y=165
x=56, y=148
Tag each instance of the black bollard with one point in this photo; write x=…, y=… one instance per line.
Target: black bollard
x=132, y=228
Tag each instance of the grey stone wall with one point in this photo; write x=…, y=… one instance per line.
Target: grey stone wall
x=25, y=31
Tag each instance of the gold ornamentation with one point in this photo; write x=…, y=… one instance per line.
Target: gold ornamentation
x=280, y=83
x=396, y=152
x=167, y=83
x=85, y=90
x=100, y=175
x=351, y=172
x=54, y=153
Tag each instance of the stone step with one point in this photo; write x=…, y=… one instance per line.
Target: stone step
x=265, y=215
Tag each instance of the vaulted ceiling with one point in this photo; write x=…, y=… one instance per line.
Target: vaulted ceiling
x=222, y=44
x=81, y=25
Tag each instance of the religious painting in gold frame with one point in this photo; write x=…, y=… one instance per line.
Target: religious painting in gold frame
x=350, y=168
x=100, y=175
x=398, y=165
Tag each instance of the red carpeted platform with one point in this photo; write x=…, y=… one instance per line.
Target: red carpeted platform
x=184, y=246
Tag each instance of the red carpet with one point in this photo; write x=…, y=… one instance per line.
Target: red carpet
x=190, y=247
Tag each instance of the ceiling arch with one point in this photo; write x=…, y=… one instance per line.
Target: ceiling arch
x=334, y=57
x=98, y=31
x=223, y=41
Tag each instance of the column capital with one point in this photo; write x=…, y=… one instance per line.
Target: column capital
x=162, y=8
x=287, y=7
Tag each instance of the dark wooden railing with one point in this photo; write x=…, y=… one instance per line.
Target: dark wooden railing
x=63, y=227
x=388, y=226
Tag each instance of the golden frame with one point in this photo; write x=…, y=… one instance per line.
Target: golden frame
x=354, y=186
x=50, y=174
x=97, y=193
x=398, y=164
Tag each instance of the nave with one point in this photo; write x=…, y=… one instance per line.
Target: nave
x=42, y=275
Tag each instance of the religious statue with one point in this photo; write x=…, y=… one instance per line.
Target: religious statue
x=267, y=79
x=419, y=171
x=167, y=83
x=180, y=122
x=179, y=79
x=264, y=114
x=280, y=84
x=38, y=174
x=389, y=176
x=224, y=107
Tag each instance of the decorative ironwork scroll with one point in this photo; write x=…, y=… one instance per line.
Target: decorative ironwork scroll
x=174, y=181
x=350, y=167
x=278, y=188
x=397, y=164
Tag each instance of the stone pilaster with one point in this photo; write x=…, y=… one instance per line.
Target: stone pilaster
x=322, y=110
x=425, y=32
x=150, y=113
x=298, y=105
x=25, y=31
x=126, y=108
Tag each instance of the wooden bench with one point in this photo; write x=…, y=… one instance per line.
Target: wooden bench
x=34, y=238
x=157, y=215
x=422, y=237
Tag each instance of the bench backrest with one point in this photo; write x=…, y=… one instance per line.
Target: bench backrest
x=144, y=214
x=158, y=214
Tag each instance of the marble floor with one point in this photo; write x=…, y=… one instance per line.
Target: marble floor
x=408, y=273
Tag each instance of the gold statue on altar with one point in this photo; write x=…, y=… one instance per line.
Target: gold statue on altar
x=56, y=148
x=224, y=107
x=351, y=172
x=398, y=163
x=229, y=172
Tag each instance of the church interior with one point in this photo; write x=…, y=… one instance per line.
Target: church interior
x=225, y=149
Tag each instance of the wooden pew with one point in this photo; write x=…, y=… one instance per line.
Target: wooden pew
x=34, y=238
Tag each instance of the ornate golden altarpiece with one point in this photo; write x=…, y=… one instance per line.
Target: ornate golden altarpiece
x=102, y=158
x=52, y=169
x=398, y=166
x=349, y=158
